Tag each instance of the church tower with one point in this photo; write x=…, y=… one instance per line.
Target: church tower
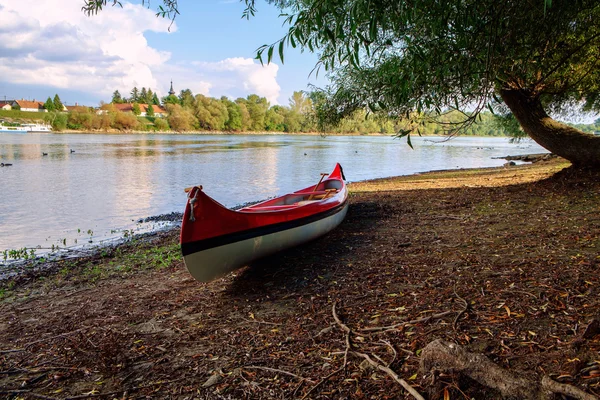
x=171, y=91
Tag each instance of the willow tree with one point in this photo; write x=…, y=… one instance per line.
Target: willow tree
x=410, y=58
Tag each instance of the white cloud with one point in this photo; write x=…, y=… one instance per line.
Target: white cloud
x=238, y=77
x=45, y=43
x=55, y=44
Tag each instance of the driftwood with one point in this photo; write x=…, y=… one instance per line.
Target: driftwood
x=448, y=357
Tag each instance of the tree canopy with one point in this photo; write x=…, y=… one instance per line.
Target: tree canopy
x=58, y=105
x=416, y=59
x=49, y=105
x=521, y=59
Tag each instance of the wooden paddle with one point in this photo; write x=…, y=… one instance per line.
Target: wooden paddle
x=323, y=175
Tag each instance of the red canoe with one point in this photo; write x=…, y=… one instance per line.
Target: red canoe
x=216, y=240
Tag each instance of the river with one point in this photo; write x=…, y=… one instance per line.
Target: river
x=73, y=189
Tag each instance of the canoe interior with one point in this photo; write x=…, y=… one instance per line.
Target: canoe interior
x=301, y=197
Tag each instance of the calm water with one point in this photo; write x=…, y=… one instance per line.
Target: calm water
x=111, y=181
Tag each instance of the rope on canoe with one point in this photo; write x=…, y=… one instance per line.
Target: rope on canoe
x=192, y=204
x=193, y=201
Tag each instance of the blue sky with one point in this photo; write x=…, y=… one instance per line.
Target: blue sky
x=51, y=47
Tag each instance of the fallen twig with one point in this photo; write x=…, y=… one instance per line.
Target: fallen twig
x=260, y=322
x=461, y=312
x=411, y=322
x=274, y=370
x=389, y=345
x=392, y=374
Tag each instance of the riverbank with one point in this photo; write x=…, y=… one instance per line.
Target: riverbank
x=136, y=132
x=504, y=260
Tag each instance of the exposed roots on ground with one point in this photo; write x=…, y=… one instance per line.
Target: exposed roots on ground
x=442, y=356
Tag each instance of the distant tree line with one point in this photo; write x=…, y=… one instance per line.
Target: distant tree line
x=187, y=112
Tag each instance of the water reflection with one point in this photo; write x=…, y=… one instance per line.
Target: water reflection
x=89, y=185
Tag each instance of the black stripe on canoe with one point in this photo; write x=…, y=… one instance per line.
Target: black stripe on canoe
x=204, y=244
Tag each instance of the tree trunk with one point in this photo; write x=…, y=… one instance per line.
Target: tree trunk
x=581, y=148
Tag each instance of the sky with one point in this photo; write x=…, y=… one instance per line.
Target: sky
x=52, y=47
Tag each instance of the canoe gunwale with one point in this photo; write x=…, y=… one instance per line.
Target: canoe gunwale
x=222, y=240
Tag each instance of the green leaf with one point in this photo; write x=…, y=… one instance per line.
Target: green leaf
x=373, y=30
x=281, y=51
x=408, y=141
x=270, y=55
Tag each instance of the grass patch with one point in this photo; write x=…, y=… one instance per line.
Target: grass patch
x=23, y=115
x=135, y=256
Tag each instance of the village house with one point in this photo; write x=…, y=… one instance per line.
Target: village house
x=159, y=111
x=26, y=105
x=77, y=108
x=6, y=104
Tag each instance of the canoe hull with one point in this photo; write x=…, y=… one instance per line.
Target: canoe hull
x=216, y=240
x=212, y=263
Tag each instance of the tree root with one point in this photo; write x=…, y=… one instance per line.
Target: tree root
x=448, y=357
x=375, y=364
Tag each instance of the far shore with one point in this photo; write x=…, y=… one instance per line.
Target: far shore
x=116, y=132
x=265, y=133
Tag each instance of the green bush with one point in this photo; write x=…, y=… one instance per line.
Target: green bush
x=161, y=125
x=59, y=122
x=125, y=121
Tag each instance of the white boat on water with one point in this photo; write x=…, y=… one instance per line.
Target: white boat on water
x=37, y=128
x=12, y=129
x=25, y=128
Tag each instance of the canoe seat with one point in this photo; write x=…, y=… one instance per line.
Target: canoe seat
x=311, y=192
x=322, y=194
x=304, y=202
x=317, y=196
